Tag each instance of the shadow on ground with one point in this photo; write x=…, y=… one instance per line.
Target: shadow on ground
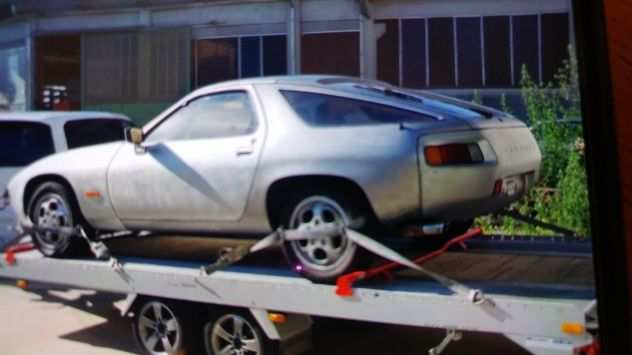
x=330, y=336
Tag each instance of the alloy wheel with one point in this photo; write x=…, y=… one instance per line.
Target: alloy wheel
x=159, y=330
x=232, y=334
x=326, y=252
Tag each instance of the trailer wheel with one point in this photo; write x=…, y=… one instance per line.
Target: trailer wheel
x=163, y=327
x=325, y=258
x=235, y=332
x=52, y=205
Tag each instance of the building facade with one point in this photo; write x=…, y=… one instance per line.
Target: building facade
x=137, y=57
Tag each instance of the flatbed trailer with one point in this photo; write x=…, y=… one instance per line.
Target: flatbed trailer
x=541, y=318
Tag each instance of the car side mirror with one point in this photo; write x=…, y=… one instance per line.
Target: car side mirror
x=135, y=135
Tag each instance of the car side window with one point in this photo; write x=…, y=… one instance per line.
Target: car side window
x=224, y=114
x=81, y=133
x=22, y=143
x=329, y=110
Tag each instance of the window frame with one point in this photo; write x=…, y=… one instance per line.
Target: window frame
x=150, y=127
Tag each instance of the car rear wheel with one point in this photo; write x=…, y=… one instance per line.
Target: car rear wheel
x=324, y=259
x=458, y=228
x=52, y=206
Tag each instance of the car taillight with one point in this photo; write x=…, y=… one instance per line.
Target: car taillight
x=453, y=154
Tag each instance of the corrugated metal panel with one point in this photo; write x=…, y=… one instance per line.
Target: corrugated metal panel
x=110, y=62
x=163, y=72
x=330, y=26
x=239, y=30
x=129, y=67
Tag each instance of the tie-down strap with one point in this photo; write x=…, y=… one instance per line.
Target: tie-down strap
x=278, y=237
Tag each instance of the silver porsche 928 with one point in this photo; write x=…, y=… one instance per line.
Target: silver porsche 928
x=244, y=157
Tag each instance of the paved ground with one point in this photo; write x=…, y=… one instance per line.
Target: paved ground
x=76, y=322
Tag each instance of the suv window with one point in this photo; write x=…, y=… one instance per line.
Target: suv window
x=22, y=143
x=225, y=114
x=329, y=110
x=80, y=133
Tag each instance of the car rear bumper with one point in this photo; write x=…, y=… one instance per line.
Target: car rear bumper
x=449, y=193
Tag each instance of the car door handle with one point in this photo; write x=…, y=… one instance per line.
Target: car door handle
x=245, y=150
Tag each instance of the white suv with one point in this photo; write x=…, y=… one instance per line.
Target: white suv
x=28, y=136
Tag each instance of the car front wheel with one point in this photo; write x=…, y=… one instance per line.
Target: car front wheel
x=52, y=206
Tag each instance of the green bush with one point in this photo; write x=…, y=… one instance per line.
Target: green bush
x=560, y=197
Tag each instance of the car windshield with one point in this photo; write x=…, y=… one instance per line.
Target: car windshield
x=329, y=110
x=80, y=133
x=21, y=143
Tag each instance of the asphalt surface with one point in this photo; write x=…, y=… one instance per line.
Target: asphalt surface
x=74, y=322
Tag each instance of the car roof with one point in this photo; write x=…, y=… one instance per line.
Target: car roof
x=57, y=116
x=292, y=79
x=432, y=104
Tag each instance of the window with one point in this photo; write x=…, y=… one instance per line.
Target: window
x=274, y=55
x=414, y=53
x=497, y=51
x=22, y=143
x=250, y=57
x=472, y=52
x=525, y=44
x=14, y=82
x=216, y=60
x=341, y=49
x=80, y=133
x=388, y=53
x=555, y=38
x=328, y=110
x=469, y=61
x=441, y=52
x=221, y=59
x=220, y=115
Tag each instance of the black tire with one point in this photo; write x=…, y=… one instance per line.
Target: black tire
x=458, y=228
x=45, y=197
x=356, y=213
x=174, y=325
x=252, y=339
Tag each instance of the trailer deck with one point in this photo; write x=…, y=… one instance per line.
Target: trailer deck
x=543, y=314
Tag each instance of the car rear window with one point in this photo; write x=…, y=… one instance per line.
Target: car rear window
x=22, y=143
x=330, y=110
x=81, y=133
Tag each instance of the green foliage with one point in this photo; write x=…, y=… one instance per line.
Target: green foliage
x=560, y=196
x=503, y=103
x=477, y=98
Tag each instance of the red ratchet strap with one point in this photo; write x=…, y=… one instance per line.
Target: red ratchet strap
x=591, y=349
x=344, y=283
x=10, y=252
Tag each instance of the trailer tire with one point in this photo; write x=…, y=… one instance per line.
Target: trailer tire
x=221, y=331
x=164, y=327
x=53, y=204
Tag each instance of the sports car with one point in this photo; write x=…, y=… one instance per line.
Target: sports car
x=244, y=157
